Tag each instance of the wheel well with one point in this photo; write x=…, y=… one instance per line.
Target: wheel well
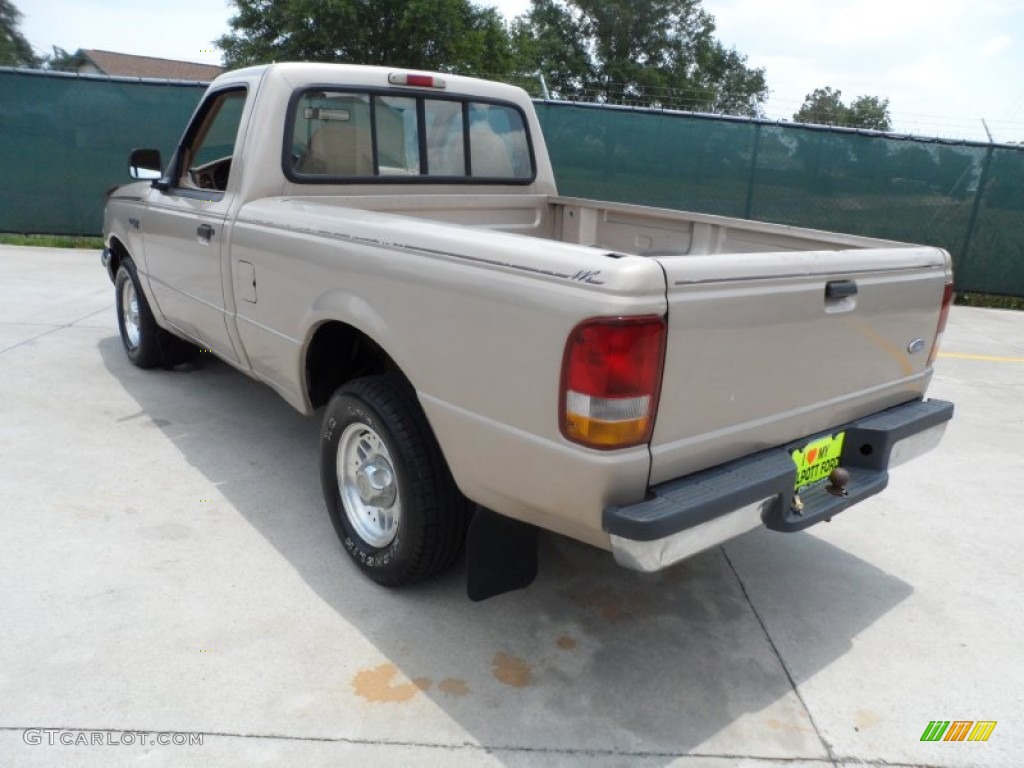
x=117, y=254
x=339, y=353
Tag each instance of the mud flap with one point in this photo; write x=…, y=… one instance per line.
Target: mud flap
x=501, y=555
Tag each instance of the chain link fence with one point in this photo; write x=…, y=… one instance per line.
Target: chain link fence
x=65, y=140
x=962, y=196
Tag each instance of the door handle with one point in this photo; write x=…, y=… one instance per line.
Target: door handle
x=840, y=289
x=205, y=231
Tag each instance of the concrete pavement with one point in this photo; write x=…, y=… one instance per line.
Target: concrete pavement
x=167, y=566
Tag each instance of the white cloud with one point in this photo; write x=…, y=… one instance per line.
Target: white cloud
x=181, y=30
x=925, y=56
x=930, y=73
x=995, y=46
x=509, y=8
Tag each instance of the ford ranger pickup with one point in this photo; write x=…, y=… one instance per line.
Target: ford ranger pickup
x=388, y=248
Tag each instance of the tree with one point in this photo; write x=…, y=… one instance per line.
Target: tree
x=60, y=60
x=548, y=40
x=651, y=52
x=825, y=107
x=14, y=48
x=822, y=107
x=443, y=35
x=870, y=112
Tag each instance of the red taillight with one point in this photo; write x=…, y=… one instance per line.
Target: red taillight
x=611, y=379
x=947, y=301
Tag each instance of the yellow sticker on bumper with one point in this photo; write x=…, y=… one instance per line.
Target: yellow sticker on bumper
x=815, y=461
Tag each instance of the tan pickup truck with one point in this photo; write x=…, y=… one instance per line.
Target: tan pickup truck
x=491, y=358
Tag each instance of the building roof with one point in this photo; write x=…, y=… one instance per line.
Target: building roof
x=128, y=65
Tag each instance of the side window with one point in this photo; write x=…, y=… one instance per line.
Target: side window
x=207, y=157
x=342, y=136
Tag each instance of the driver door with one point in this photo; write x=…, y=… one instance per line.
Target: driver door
x=183, y=227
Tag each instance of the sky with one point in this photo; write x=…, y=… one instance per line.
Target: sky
x=944, y=65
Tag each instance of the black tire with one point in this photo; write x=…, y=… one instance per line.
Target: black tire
x=153, y=346
x=139, y=331
x=430, y=514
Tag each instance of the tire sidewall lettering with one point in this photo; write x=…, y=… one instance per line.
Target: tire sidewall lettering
x=364, y=555
x=434, y=516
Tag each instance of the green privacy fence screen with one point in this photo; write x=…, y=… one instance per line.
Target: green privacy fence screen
x=965, y=197
x=64, y=140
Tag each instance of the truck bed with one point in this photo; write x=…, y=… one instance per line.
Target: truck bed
x=616, y=227
x=758, y=353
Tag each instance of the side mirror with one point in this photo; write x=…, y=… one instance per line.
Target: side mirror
x=145, y=164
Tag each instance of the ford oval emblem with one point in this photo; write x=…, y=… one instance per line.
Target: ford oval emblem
x=917, y=345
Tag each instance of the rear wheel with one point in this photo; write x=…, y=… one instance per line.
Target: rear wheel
x=388, y=489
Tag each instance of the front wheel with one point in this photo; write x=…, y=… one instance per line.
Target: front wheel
x=388, y=489
x=139, y=331
x=146, y=344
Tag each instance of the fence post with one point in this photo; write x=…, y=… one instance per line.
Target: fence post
x=753, y=172
x=973, y=220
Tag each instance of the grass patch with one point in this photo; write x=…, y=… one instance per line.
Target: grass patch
x=52, y=241
x=990, y=301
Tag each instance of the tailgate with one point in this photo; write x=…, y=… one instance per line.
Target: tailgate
x=767, y=348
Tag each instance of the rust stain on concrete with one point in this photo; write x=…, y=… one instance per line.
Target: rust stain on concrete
x=453, y=686
x=566, y=643
x=511, y=670
x=865, y=718
x=779, y=725
x=377, y=685
x=610, y=606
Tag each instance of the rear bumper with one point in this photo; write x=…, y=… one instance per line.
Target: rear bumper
x=684, y=516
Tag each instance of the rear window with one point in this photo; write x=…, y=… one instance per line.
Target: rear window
x=337, y=135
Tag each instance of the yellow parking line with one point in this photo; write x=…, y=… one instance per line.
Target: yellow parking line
x=986, y=358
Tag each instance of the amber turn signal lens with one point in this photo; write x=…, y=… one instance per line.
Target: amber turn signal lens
x=611, y=377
